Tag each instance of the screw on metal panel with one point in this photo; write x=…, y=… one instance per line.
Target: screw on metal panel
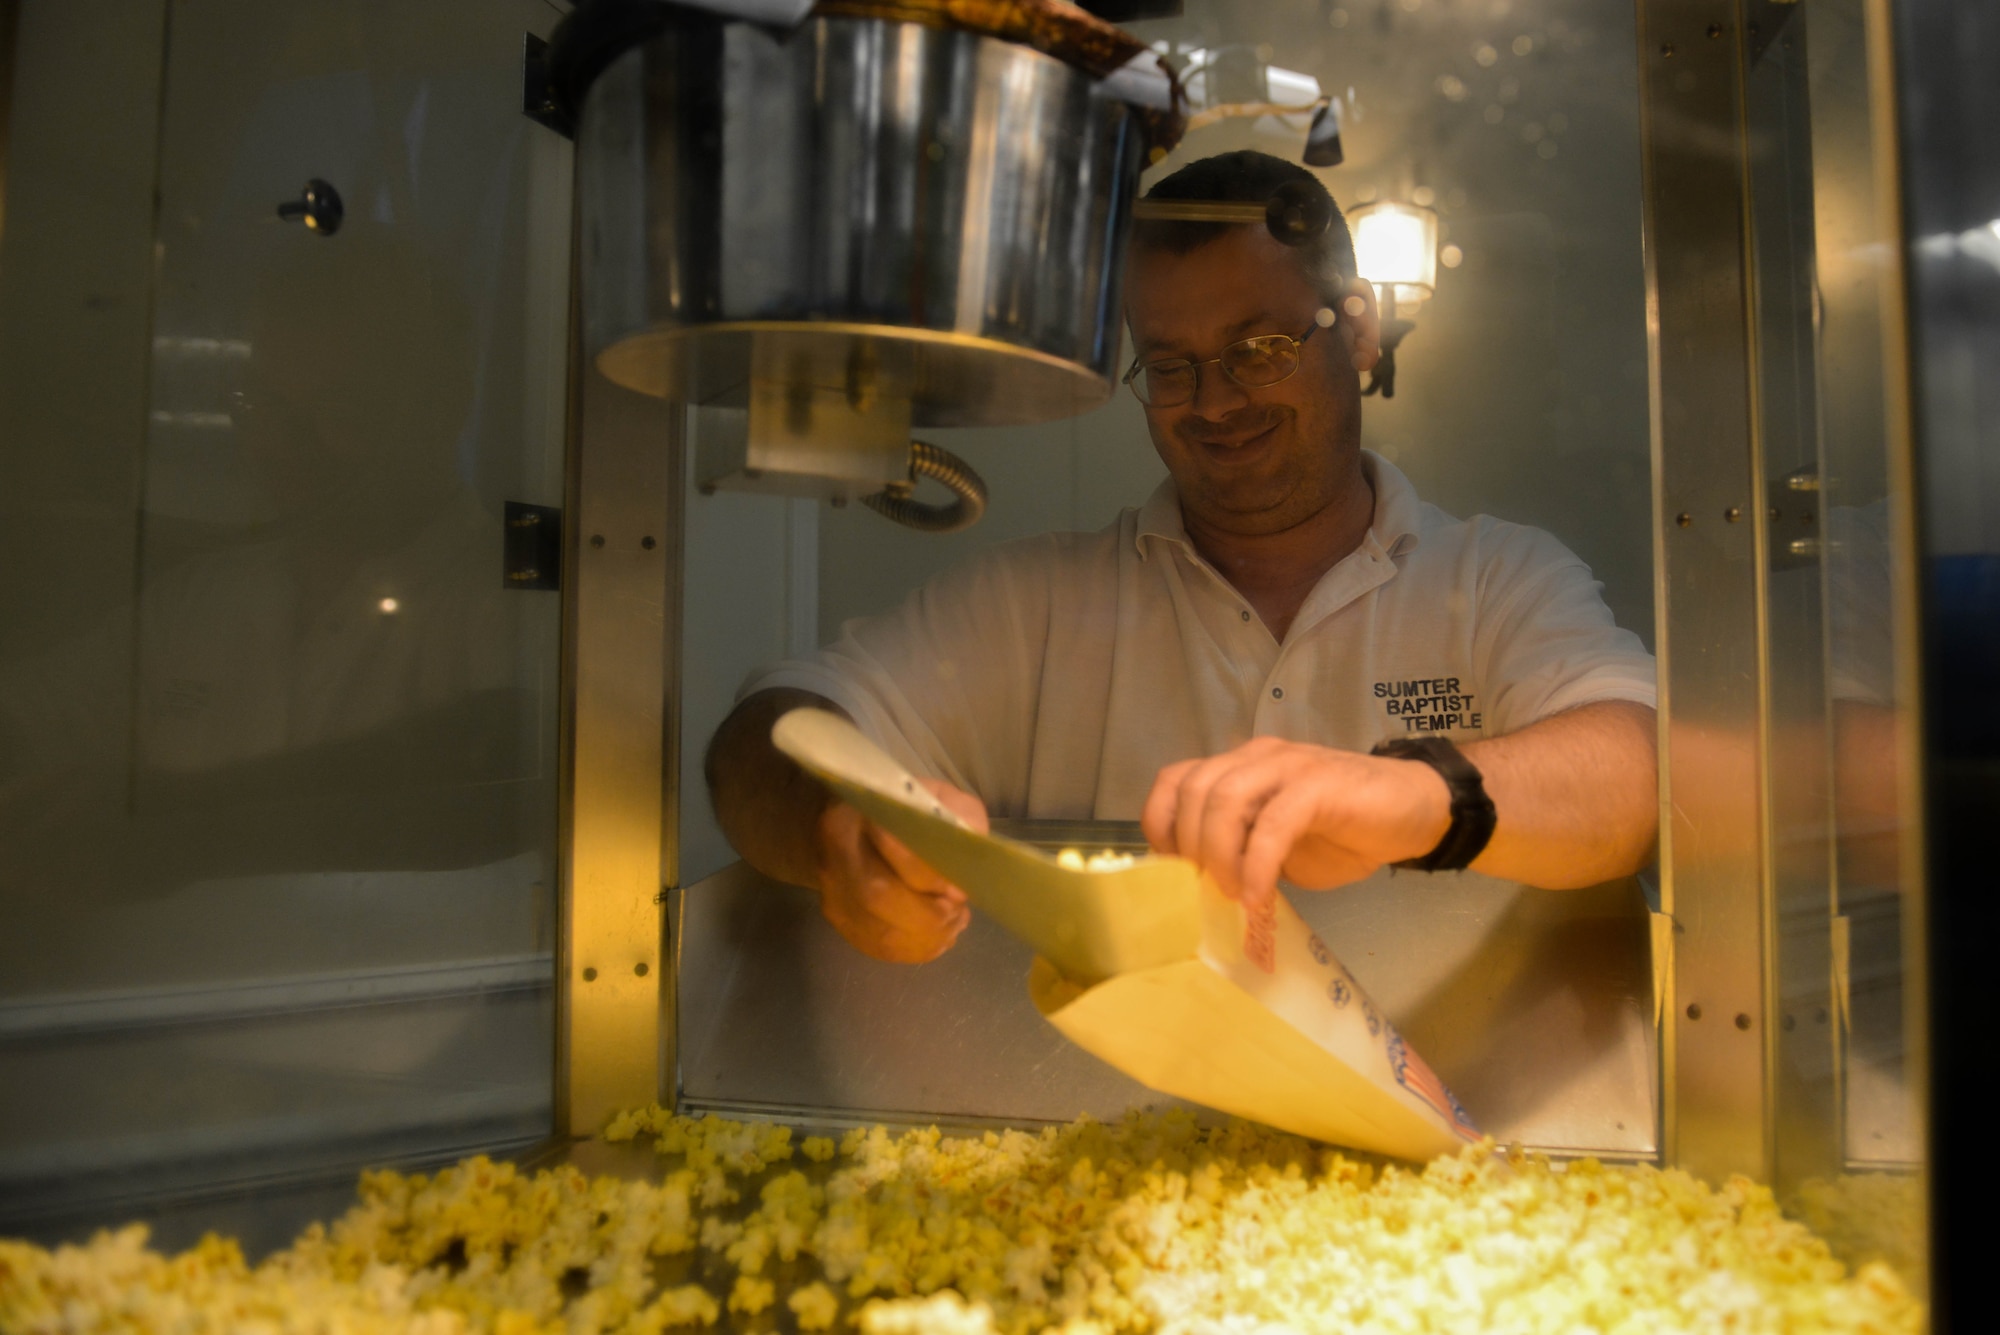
x=1684, y=519
x=1775, y=514
x=597, y=539
x=641, y=968
x=1667, y=49
x=1742, y=1022
x=648, y=543
x=590, y=975
x=1733, y=513
x=1714, y=30
x=1694, y=1010
x=1805, y=548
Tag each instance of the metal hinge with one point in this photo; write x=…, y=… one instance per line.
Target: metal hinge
x=531, y=553
x=1792, y=507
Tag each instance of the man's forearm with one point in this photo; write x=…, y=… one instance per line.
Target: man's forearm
x=1577, y=796
x=768, y=807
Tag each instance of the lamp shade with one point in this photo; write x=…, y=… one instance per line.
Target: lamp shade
x=1396, y=245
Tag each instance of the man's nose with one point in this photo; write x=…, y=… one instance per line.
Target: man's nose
x=1216, y=396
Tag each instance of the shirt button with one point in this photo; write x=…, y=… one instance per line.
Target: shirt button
x=1277, y=692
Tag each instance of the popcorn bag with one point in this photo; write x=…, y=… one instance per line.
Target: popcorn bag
x=1144, y=967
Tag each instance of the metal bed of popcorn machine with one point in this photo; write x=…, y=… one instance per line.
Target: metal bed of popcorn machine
x=803, y=232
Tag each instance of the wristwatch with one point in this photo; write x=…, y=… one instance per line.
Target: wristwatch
x=1472, y=814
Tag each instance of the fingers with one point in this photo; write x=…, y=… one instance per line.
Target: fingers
x=912, y=870
x=1237, y=808
x=966, y=806
x=1157, y=819
x=1282, y=822
x=1219, y=804
x=1191, y=837
x=1204, y=810
x=868, y=899
x=1215, y=811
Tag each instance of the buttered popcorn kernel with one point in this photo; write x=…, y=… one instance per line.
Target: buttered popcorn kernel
x=1151, y=1224
x=815, y=1306
x=1107, y=860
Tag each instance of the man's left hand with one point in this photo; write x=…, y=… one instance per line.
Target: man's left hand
x=1317, y=816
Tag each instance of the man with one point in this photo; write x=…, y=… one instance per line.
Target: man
x=1220, y=662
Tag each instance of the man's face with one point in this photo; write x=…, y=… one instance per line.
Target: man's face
x=1246, y=461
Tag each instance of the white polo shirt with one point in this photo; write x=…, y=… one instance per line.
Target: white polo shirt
x=1054, y=676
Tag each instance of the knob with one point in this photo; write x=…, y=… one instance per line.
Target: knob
x=319, y=207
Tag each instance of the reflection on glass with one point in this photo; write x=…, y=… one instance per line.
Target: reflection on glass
x=277, y=780
x=1850, y=1137
x=1395, y=245
x=1527, y=401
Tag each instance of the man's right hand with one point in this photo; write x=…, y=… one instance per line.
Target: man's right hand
x=883, y=898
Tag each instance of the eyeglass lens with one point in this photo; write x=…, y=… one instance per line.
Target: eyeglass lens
x=1254, y=363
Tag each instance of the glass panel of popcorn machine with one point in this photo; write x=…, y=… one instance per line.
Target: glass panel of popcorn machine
x=1838, y=492
x=277, y=739
x=1494, y=151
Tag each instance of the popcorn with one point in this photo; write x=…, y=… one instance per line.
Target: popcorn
x=751, y=1296
x=1153, y=1225
x=1866, y=1217
x=1106, y=860
x=687, y=1305
x=814, y=1305
x=944, y=1314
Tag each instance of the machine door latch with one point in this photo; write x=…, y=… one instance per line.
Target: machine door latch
x=532, y=551
x=1792, y=507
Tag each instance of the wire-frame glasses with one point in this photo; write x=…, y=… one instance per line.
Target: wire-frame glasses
x=1253, y=363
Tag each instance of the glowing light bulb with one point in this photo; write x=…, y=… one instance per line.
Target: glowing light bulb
x=1396, y=244
x=389, y=606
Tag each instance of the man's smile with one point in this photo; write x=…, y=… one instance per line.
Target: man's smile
x=1239, y=446
x=1231, y=438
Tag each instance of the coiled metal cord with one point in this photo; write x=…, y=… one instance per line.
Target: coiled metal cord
x=926, y=460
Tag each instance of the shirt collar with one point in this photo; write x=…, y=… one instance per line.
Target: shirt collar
x=1394, y=530
x=1398, y=513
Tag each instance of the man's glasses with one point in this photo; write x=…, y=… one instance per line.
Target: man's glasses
x=1253, y=363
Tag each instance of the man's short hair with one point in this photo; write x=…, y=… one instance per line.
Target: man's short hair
x=1249, y=177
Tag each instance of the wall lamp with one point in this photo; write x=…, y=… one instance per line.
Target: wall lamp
x=1396, y=249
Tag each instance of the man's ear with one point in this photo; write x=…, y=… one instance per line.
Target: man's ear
x=1358, y=323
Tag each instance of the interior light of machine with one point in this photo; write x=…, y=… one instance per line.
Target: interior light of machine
x=1396, y=247
x=389, y=606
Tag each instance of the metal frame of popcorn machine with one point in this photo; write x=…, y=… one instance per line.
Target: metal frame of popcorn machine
x=803, y=235
x=1753, y=963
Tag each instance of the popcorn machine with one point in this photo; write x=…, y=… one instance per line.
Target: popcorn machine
x=461, y=515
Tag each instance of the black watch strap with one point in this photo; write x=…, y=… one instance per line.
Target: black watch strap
x=1472, y=814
